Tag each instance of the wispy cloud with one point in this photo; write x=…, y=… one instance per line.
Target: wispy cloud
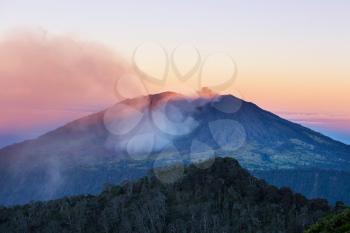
x=48, y=78
x=330, y=120
x=334, y=125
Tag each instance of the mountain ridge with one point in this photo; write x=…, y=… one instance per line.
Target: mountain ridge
x=48, y=165
x=160, y=96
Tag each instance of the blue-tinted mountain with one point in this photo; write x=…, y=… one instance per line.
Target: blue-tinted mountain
x=82, y=156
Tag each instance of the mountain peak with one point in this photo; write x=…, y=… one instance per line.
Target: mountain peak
x=206, y=92
x=165, y=96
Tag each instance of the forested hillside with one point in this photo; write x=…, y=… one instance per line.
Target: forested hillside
x=334, y=223
x=222, y=198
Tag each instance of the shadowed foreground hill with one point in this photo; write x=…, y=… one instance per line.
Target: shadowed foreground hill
x=221, y=198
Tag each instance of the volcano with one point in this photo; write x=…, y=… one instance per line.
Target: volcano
x=128, y=139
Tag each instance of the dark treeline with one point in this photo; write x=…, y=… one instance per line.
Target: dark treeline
x=221, y=199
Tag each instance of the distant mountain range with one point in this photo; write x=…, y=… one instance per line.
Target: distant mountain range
x=133, y=136
x=220, y=198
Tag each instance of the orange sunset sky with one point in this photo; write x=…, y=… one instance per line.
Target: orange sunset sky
x=59, y=59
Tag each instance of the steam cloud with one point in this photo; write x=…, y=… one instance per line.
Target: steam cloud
x=47, y=78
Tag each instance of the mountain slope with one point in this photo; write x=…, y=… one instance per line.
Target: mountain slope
x=82, y=156
x=222, y=198
x=313, y=183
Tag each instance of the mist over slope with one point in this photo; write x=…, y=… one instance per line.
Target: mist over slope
x=133, y=136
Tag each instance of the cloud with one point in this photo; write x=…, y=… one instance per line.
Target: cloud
x=332, y=124
x=43, y=75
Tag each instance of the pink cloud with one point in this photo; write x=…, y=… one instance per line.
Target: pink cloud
x=41, y=76
x=338, y=122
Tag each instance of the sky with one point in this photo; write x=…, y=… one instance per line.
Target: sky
x=59, y=59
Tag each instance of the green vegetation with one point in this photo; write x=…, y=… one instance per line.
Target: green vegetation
x=334, y=223
x=223, y=198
